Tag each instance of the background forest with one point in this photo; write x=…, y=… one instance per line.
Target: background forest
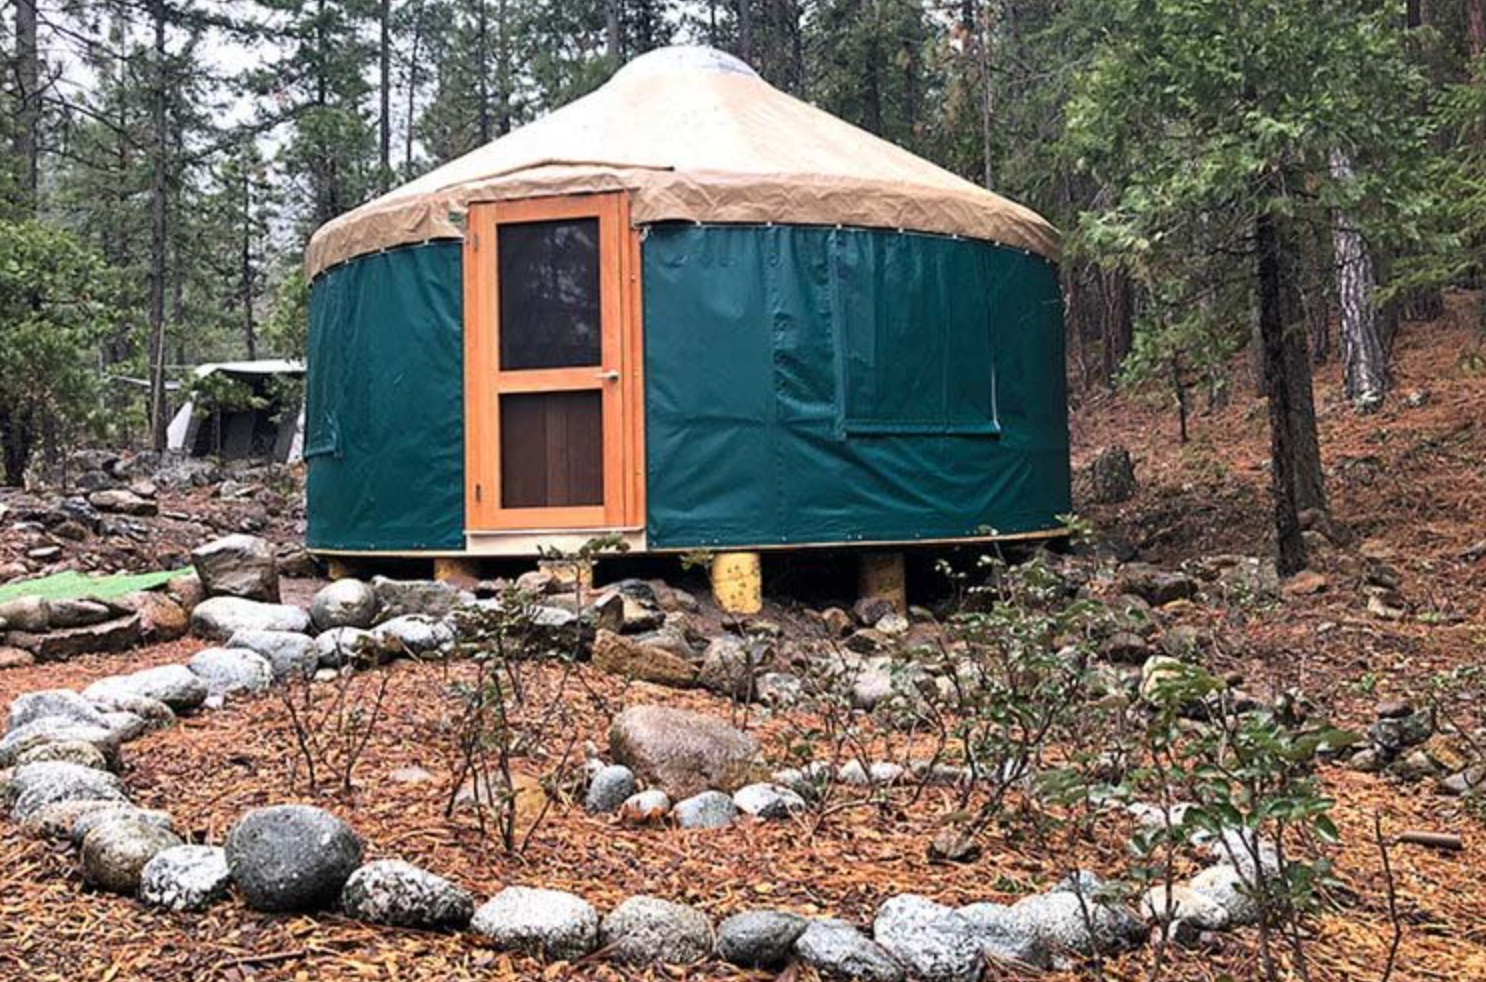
x=1290, y=178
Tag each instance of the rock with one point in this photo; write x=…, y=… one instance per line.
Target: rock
x=1466, y=782
x=1060, y=920
x=837, y=950
x=119, y=634
x=548, y=923
x=117, y=501
x=28, y=614
x=228, y=671
x=400, y=894
x=114, y=855
x=15, y=658
x=1240, y=848
x=873, y=683
x=218, y=618
x=186, y=590
x=291, y=857
x=953, y=846
x=413, y=634
x=708, y=810
x=643, y=930
x=1190, y=906
x=1006, y=939
x=682, y=752
x=54, y=703
x=1124, y=648
x=1224, y=886
x=127, y=726
x=611, y=787
x=1182, y=642
x=347, y=645
x=759, y=938
x=1155, y=586
x=1367, y=760
x=87, y=819
x=76, y=613
x=767, y=801
x=931, y=941
x=728, y=668
x=870, y=610
x=838, y=623
x=778, y=689
x=626, y=657
x=288, y=653
x=432, y=598
x=238, y=566
x=156, y=714
x=1110, y=477
x=185, y=878
x=1414, y=766
x=646, y=808
x=638, y=615
x=1158, y=670
x=175, y=685
x=67, y=752
x=55, y=821
x=344, y=603
x=160, y=617
x=49, y=730
x=1392, y=734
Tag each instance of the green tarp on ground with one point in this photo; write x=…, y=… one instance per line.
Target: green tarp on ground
x=384, y=402
x=72, y=585
x=836, y=385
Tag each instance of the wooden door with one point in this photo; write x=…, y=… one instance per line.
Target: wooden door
x=546, y=382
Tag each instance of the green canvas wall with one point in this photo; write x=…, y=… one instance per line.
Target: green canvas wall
x=802, y=385
x=830, y=385
x=384, y=402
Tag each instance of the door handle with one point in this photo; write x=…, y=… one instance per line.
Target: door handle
x=607, y=376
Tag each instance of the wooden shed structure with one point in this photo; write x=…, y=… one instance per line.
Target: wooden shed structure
x=694, y=311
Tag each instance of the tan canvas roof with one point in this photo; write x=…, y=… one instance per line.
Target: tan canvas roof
x=693, y=134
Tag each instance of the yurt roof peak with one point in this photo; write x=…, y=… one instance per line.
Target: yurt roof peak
x=693, y=134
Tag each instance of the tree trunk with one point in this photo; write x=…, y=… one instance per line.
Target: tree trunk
x=412, y=107
x=502, y=69
x=1117, y=325
x=15, y=446
x=158, y=188
x=1475, y=27
x=1289, y=546
x=384, y=82
x=745, y=30
x=612, y=46
x=1364, y=363
x=250, y=333
x=28, y=102
x=482, y=69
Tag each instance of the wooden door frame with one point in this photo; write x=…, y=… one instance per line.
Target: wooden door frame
x=623, y=417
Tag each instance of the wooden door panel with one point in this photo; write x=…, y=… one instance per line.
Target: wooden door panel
x=548, y=298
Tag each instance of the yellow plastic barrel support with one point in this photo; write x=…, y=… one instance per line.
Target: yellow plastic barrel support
x=737, y=583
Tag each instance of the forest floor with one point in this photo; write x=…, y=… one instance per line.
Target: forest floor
x=1409, y=482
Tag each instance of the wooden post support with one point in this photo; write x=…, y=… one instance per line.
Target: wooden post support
x=880, y=574
x=461, y=571
x=737, y=582
x=338, y=569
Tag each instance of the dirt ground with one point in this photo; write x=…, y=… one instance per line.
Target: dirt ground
x=1410, y=482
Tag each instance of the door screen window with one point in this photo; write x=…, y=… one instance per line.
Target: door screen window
x=549, y=294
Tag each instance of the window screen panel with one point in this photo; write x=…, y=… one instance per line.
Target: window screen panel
x=549, y=294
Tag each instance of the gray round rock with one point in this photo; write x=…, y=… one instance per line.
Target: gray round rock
x=835, y=949
x=219, y=618
x=759, y=938
x=931, y=941
x=344, y=603
x=291, y=857
x=643, y=929
x=610, y=787
x=175, y=685
x=31, y=706
x=539, y=922
x=768, y=801
x=393, y=892
x=185, y=878
x=708, y=810
x=287, y=652
x=86, y=820
x=114, y=854
x=35, y=786
x=227, y=671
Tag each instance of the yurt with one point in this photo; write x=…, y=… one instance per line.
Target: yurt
x=691, y=311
